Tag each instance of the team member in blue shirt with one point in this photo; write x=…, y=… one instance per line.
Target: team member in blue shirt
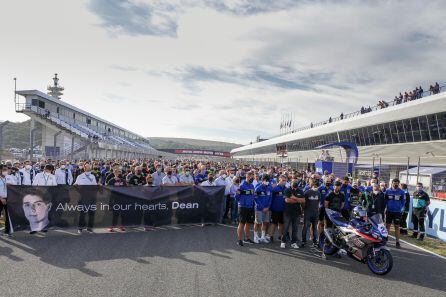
x=245, y=200
x=395, y=198
x=262, y=202
x=277, y=208
x=346, y=188
x=324, y=190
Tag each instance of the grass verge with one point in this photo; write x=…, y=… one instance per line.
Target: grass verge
x=431, y=244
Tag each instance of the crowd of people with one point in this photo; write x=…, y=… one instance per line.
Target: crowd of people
x=270, y=197
x=415, y=94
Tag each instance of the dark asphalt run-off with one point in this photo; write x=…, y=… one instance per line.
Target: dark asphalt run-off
x=198, y=261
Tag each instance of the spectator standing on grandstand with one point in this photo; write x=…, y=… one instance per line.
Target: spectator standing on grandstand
x=27, y=174
x=420, y=203
x=245, y=199
x=63, y=174
x=186, y=178
x=45, y=178
x=395, y=198
x=3, y=196
x=169, y=179
x=158, y=175
x=86, y=178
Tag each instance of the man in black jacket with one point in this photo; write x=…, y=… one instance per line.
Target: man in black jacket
x=403, y=226
x=376, y=202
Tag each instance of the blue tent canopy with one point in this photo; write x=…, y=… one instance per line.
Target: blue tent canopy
x=350, y=148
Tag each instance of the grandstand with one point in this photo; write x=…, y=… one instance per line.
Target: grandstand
x=399, y=133
x=69, y=132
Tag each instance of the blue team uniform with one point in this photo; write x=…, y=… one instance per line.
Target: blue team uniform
x=262, y=197
x=245, y=195
x=395, y=200
x=324, y=193
x=277, y=199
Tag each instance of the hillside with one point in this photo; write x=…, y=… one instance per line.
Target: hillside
x=16, y=135
x=187, y=143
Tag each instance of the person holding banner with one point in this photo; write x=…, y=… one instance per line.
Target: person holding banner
x=86, y=178
x=27, y=174
x=63, y=174
x=3, y=196
x=45, y=178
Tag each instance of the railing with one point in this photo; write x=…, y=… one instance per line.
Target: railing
x=393, y=102
x=76, y=147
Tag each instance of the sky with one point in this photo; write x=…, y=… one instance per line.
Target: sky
x=220, y=70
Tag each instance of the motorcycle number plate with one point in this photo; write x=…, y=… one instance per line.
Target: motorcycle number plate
x=382, y=229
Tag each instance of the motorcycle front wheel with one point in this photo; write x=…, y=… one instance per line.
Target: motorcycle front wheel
x=326, y=245
x=381, y=262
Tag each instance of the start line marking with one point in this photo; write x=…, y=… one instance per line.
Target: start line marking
x=420, y=248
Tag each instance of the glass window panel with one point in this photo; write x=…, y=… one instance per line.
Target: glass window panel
x=424, y=129
x=433, y=127
x=415, y=129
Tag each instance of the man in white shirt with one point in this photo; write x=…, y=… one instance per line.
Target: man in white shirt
x=27, y=174
x=169, y=179
x=13, y=177
x=45, y=178
x=157, y=177
x=86, y=178
x=187, y=178
x=63, y=174
x=221, y=179
x=3, y=196
x=210, y=182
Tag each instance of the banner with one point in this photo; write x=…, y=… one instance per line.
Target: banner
x=436, y=219
x=39, y=208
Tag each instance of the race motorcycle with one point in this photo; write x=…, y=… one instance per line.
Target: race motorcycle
x=365, y=243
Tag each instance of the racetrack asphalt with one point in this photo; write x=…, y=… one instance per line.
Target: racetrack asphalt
x=198, y=261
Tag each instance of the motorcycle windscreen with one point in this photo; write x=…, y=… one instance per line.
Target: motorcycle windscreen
x=378, y=222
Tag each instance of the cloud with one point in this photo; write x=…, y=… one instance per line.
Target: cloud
x=250, y=7
x=124, y=68
x=128, y=17
x=160, y=18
